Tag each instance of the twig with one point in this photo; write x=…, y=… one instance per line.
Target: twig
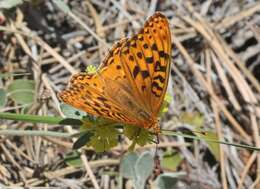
x=225, y=82
x=227, y=22
x=217, y=124
x=246, y=169
x=89, y=171
x=72, y=15
x=222, y=154
x=125, y=13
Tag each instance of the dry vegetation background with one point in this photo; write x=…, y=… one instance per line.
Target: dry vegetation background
x=215, y=72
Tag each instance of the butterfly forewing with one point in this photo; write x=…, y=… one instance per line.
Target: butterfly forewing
x=162, y=38
x=146, y=60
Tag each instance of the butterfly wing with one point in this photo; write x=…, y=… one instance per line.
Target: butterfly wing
x=131, y=82
x=146, y=61
x=95, y=93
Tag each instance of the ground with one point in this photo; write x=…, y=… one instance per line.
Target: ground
x=213, y=90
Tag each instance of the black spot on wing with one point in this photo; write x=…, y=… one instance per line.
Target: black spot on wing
x=141, y=38
x=101, y=98
x=133, y=44
x=96, y=104
x=154, y=47
x=145, y=46
x=145, y=74
x=87, y=103
x=149, y=60
x=156, y=89
x=97, y=111
x=160, y=78
x=159, y=67
x=105, y=111
x=125, y=51
x=107, y=106
x=139, y=55
x=161, y=54
x=136, y=71
x=131, y=58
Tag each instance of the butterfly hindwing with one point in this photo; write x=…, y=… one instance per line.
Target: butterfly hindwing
x=95, y=93
x=93, y=102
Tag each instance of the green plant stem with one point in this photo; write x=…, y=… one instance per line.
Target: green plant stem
x=34, y=133
x=68, y=121
x=40, y=119
x=172, y=133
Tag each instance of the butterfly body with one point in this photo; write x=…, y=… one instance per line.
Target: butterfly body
x=130, y=85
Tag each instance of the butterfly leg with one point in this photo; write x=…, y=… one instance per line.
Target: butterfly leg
x=157, y=168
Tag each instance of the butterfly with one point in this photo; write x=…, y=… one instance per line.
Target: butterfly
x=130, y=85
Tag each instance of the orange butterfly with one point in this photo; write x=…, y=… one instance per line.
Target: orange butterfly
x=130, y=85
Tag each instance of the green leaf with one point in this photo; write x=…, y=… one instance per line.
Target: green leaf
x=8, y=4
x=105, y=137
x=144, y=137
x=197, y=120
x=166, y=102
x=144, y=166
x=138, y=135
x=193, y=118
x=167, y=180
x=22, y=91
x=72, y=112
x=98, y=144
x=62, y=5
x=91, y=69
x=52, y=120
x=137, y=168
x=143, y=169
x=130, y=131
x=127, y=165
x=171, y=160
x=73, y=159
x=214, y=147
x=2, y=98
x=83, y=139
